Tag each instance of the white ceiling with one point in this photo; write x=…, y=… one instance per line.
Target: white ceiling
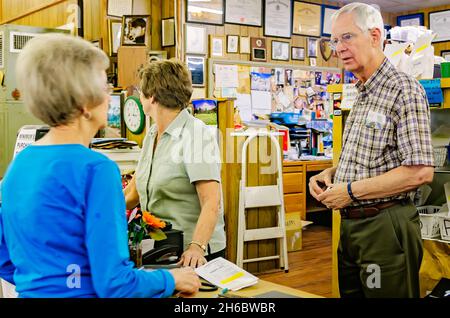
x=402, y=5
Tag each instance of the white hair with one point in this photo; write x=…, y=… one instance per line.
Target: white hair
x=60, y=74
x=365, y=16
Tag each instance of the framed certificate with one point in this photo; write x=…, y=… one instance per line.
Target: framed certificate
x=439, y=24
x=327, y=12
x=306, y=19
x=410, y=20
x=119, y=8
x=277, y=18
x=205, y=12
x=168, y=32
x=244, y=12
x=195, y=39
x=446, y=55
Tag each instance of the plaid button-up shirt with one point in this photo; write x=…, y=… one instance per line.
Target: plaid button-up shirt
x=389, y=126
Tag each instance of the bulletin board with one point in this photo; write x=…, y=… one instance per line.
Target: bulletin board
x=263, y=88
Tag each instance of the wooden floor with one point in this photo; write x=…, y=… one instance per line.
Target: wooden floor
x=310, y=268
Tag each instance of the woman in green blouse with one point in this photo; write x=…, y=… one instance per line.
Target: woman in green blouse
x=178, y=174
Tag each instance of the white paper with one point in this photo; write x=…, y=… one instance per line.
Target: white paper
x=261, y=102
x=226, y=76
x=25, y=138
x=349, y=95
x=244, y=104
x=225, y=274
x=147, y=245
x=395, y=52
x=119, y=8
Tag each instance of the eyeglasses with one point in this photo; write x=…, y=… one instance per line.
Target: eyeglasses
x=345, y=38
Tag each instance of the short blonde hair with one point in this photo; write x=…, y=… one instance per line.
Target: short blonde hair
x=168, y=82
x=60, y=74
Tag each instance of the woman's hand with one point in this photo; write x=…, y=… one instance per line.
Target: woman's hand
x=187, y=282
x=192, y=257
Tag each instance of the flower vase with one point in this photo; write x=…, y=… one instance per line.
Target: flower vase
x=136, y=254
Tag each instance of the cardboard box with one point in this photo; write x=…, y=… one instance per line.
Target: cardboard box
x=293, y=231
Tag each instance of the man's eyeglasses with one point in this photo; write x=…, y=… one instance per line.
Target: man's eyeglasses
x=345, y=39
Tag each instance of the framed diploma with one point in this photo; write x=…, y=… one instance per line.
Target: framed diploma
x=277, y=18
x=244, y=12
x=196, y=39
x=306, y=19
x=327, y=12
x=439, y=24
x=205, y=12
x=410, y=20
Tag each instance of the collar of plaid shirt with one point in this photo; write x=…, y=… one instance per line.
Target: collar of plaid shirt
x=403, y=138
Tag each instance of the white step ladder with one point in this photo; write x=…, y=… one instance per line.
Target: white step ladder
x=260, y=197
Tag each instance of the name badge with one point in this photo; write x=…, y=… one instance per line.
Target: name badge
x=375, y=120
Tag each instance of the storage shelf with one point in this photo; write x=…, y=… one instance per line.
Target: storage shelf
x=437, y=240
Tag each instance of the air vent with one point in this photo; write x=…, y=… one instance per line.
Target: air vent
x=2, y=47
x=18, y=40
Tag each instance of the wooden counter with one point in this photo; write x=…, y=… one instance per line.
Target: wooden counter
x=261, y=287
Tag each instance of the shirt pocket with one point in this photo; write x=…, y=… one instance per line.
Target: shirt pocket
x=375, y=144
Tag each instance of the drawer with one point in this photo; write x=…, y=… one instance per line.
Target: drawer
x=294, y=202
x=293, y=182
x=293, y=168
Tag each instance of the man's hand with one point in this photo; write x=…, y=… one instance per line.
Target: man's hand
x=335, y=197
x=187, y=282
x=324, y=178
x=192, y=257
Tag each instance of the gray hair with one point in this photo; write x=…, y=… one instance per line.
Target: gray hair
x=60, y=74
x=366, y=17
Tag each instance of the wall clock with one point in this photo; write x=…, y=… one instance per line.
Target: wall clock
x=133, y=115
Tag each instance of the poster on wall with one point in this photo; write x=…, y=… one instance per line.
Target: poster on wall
x=278, y=18
x=244, y=12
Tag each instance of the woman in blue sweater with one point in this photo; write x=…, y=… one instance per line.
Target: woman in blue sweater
x=63, y=230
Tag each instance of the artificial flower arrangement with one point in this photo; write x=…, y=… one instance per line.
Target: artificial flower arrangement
x=141, y=225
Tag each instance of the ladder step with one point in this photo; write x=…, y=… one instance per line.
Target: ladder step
x=257, y=197
x=259, y=259
x=264, y=234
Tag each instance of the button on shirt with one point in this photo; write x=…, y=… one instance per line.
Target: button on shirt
x=186, y=152
x=388, y=126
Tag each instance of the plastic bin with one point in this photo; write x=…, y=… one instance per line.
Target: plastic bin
x=429, y=221
x=444, y=226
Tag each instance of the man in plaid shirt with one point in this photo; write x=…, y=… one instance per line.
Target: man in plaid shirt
x=386, y=155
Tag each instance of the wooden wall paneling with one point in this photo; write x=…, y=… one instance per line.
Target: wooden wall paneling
x=168, y=11
x=156, y=24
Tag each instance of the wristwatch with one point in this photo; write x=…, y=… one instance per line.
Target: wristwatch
x=202, y=246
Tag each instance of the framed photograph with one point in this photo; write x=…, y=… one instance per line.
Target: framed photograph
x=114, y=35
x=168, y=32
x=196, y=65
x=439, y=23
x=278, y=18
x=258, y=49
x=306, y=19
x=232, y=43
x=115, y=127
x=118, y=8
x=244, y=45
x=446, y=55
x=216, y=44
x=280, y=51
x=247, y=12
x=98, y=43
x=195, y=39
x=298, y=53
x=327, y=12
x=157, y=55
x=416, y=19
x=136, y=30
x=206, y=110
x=205, y=12
x=312, y=47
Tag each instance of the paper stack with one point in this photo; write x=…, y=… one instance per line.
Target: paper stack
x=225, y=274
